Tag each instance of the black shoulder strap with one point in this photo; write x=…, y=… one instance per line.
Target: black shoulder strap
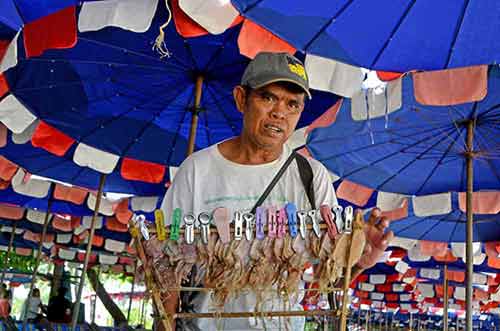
x=306, y=175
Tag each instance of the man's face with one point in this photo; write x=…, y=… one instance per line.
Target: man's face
x=270, y=114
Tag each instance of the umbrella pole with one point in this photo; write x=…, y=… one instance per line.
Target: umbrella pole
x=38, y=258
x=469, y=155
x=445, y=298
x=76, y=306
x=131, y=293
x=9, y=249
x=196, y=110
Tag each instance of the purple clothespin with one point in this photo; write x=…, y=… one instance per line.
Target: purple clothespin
x=260, y=221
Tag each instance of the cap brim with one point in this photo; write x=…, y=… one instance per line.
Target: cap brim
x=275, y=80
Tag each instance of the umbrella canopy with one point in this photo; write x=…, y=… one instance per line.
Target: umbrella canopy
x=384, y=35
x=398, y=142
x=62, y=168
x=447, y=224
x=115, y=98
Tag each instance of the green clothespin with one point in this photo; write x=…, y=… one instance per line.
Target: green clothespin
x=176, y=224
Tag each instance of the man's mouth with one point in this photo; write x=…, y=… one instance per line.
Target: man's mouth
x=273, y=128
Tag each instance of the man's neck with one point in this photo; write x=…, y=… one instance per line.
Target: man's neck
x=240, y=151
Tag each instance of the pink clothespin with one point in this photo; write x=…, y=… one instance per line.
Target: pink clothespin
x=271, y=222
x=281, y=221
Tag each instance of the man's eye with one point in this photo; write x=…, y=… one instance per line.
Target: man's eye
x=267, y=97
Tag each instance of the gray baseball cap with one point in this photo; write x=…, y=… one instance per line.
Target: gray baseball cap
x=267, y=68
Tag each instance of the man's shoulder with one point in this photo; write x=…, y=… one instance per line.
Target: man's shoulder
x=202, y=155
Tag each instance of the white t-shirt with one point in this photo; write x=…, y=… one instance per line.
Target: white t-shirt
x=33, y=307
x=206, y=180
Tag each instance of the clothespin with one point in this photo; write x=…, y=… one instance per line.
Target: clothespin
x=238, y=226
x=141, y=219
x=314, y=220
x=160, y=225
x=339, y=221
x=348, y=219
x=302, y=215
x=281, y=221
x=176, y=224
x=291, y=213
x=249, y=220
x=189, y=220
x=271, y=222
x=260, y=221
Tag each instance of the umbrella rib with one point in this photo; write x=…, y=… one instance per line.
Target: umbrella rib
x=122, y=49
x=210, y=89
x=251, y=6
x=408, y=226
x=207, y=130
x=409, y=163
x=109, y=120
x=216, y=54
x=325, y=26
x=177, y=131
x=393, y=32
x=457, y=32
x=485, y=113
x=146, y=125
x=343, y=138
x=447, y=135
x=431, y=228
x=104, y=63
x=434, y=169
x=453, y=232
x=380, y=159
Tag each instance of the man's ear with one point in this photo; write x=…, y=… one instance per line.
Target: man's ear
x=240, y=98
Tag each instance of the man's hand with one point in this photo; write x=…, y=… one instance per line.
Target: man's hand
x=377, y=239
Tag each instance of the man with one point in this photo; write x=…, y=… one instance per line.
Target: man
x=235, y=172
x=59, y=308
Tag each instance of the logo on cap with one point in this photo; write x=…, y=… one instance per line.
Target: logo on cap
x=296, y=67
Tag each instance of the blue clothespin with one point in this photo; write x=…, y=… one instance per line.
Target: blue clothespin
x=260, y=221
x=291, y=214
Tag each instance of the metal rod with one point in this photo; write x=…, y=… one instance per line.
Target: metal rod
x=38, y=258
x=253, y=314
x=76, y=306
x=194, y=118
x=445, y=298
x=9, y=249
x=131, y=293
x=469, y=234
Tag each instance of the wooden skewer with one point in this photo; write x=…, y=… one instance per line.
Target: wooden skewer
x=209, y=289
x=254, y=314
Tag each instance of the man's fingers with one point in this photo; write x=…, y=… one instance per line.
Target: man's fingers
x=387, y=238
x=383, y=223
x=374, y=216
x=367, y=250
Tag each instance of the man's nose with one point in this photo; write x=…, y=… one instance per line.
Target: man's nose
x=279, y=111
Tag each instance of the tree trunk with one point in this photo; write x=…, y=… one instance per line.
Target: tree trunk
x=107, y=301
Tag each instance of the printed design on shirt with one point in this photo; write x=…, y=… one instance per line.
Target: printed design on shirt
x=251, y=198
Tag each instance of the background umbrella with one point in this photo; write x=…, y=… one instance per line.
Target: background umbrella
x=112, y=92
x=62, y=168
x=422, y=35
x=421, y=148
